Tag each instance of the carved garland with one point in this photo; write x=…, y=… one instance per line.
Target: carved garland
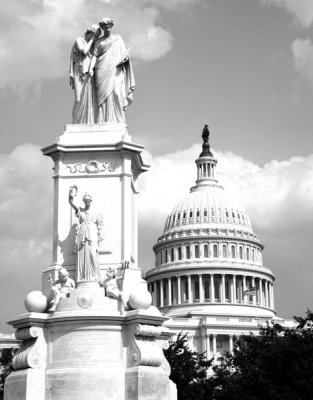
x=92, y=167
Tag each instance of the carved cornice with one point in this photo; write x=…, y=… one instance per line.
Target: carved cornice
x=206, y=269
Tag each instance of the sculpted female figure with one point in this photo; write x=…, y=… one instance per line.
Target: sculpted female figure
x=113, y=75
x=88, y=236
x=82, y=83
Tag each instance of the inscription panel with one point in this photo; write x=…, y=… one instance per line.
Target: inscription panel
x=92, y=346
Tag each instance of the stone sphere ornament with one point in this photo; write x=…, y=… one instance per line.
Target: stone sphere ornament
x=36, y=301
x=140, y=298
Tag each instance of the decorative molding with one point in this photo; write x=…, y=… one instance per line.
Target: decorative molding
x=92, y=167
x=33, y=351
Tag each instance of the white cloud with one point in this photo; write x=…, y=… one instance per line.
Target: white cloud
x=276, y=196
x=37, y=36
x=302, y=50
x=302, y=10
x=26, y=218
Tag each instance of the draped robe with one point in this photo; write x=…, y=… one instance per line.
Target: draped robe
x=114, y=83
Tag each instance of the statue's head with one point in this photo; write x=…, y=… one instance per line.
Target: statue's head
x=111, y=272
x=106, y=24
x=63, y=274
x=87, y=199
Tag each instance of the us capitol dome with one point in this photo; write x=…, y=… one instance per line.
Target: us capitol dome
x=209, y=277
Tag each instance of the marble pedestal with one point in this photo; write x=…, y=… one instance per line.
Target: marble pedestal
x=80, y=355
x=94, y=347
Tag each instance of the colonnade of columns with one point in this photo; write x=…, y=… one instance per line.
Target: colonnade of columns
x=211, y=288
x=214, y=343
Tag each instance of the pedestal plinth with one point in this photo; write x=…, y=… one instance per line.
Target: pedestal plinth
x=90, y=355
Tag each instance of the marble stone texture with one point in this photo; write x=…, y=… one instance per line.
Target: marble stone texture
x=90, y=356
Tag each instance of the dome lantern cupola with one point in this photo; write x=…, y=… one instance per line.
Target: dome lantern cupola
x=206, y=163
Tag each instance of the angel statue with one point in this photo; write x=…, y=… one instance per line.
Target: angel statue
x=88, y=238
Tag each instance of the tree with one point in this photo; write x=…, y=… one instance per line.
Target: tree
x=5, y=367
x=188, y=369
x=277, y=365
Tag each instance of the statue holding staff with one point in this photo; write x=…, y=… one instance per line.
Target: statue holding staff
x=88, y=237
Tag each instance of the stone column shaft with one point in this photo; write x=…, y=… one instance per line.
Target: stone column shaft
x=161, y=293
x=169, y=291
x=254, y=297
x=231, y=343
x=178, y=290
x=201, y=291
x=244, y=284
x=223, y=294
x=208, y=345
x=189, y=289
x=214, y=344
x=266, y=294
x=234, y=289
x=212, y=288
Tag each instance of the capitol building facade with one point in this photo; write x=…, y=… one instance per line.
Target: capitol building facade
x=209, y=277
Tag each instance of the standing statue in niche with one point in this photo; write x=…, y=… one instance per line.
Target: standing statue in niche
x=80, y=80
x=113, y=75
x=88, y=237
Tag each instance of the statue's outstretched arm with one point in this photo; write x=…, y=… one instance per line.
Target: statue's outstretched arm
x=71, y=194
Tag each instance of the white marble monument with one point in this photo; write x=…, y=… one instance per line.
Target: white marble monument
x=92, y=332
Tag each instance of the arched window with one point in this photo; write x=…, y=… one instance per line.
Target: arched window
x=197, y=252
x=224, y=250
x=240, y=253
x=188, y=252
x=179, y=253
x=205, y=213
x=166, y=256
x=215, y=250
x=190, y=214
x=253, y=255
x=233, y=251
x=247, y=253
x=172, y=255
x=206, y=251
x=161, y=257
x=198, y=213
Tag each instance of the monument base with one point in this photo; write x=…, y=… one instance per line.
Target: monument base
x=86, y=354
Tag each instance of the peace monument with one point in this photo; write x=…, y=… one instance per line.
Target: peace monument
x=91, y=332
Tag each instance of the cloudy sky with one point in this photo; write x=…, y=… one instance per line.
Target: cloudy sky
x=243, y=67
